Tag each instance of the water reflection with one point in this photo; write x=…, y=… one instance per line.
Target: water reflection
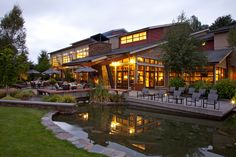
x=155, y=133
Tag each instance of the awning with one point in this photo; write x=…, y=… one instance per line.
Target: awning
x=85, y=69
x=32, y=71
x=51, y=71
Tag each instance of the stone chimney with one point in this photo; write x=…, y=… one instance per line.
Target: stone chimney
x=99, y=48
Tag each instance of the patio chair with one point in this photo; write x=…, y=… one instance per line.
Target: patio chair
x=211, y=100
x=171, y=90
x=143, y=93
x=191, y=90
x=58, y=87
x=160, y=94
x=213, y=91
x=182, y=89
x=202, y=92
x=195, y=97
x=176, y=97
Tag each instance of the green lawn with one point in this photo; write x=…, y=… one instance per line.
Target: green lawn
x=22, y=135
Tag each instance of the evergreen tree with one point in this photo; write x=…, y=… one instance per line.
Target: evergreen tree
x=222, y=21
x=232, y=37
x=195, y=24
x=181, y=50
x=43, y=61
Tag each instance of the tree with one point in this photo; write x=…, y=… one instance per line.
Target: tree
x=12, y=29
x=232, y=37
x=181, y=50
x=7, y=68
x=222, y=21
x=13, y=59
x=195, y=24
x=43, y=61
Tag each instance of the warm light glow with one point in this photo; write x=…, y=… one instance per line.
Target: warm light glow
x=131, y=130
x=133, y=38
x=165, y=94
x=115, y=64
x=125, y=77
x=132, y=61
x=233, y=102
x=204, y=43
x=114, y=124
x=140, y=146
x=85, y=116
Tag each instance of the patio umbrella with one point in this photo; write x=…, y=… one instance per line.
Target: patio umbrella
x=32, y=71
x=51, y=71
x=85, y=69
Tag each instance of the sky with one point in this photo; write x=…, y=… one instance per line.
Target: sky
x=55, y=24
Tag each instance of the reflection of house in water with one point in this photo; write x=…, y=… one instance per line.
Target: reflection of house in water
x=132, y=124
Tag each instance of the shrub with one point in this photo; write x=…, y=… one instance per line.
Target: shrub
x=52, y=81
x=52, y=98
x=176, y=82
x=202, y=84
x=60, y=98
x=23, y=94
x=2, y=94
x=115, y=97
x=68, y=99
x=99, y=94
x=9, y=98
x=225, y=88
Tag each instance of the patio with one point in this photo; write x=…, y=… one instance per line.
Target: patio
x=190, y=110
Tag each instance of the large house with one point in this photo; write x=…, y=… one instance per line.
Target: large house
x=133, y=59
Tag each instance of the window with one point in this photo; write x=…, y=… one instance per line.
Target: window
x=81, y=53
x=133, y=38
x=66, y=58
x=54, y=61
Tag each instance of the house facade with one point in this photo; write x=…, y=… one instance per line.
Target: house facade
x=133, y=59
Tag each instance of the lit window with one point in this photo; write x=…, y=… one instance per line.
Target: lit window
x=66, y=58
x=134, y=38
x=54, y=61
x=81, y=53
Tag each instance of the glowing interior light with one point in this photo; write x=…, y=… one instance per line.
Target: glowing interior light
x=233, y=102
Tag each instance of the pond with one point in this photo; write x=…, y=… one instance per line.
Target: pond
x=142, y=133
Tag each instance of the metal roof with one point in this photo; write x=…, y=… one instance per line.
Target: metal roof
x=216, y=56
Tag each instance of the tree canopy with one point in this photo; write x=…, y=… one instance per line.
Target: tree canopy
x=181, y=52
x=222, y=21
x=13, y=55
x=43, y=61
x=232, y=37
x=195, y=24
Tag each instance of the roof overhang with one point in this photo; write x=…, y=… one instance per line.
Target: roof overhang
x=148, y=47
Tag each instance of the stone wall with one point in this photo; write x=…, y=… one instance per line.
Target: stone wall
x=99, y=48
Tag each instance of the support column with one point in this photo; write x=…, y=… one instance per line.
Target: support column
x=214, y=74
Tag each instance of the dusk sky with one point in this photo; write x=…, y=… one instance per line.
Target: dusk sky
x=54, y=24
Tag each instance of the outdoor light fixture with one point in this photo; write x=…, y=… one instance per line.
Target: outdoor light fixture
x=115, y=64
x=85, y=116
x=131, y=130
x=233, y=102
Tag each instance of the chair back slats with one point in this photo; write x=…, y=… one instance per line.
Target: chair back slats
x=212, y=98
x=182, y=89
x=177, y=93
x=191, y=90
x=202, y=92
x=172, y=89
x=196, y=96
x=213, y=91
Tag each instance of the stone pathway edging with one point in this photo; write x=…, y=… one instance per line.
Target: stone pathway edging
x=61, y=134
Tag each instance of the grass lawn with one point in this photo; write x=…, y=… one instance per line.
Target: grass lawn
x=22, y=135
